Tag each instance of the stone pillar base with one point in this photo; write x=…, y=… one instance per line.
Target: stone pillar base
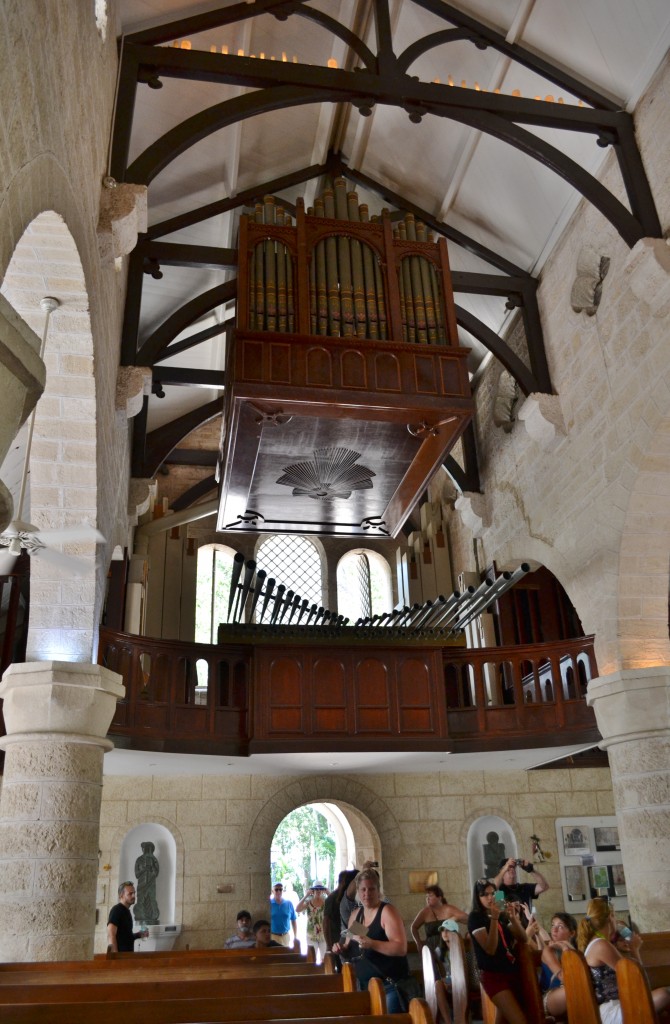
x=57, y=715
x=632, y=709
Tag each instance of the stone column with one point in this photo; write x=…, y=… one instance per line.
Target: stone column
x=56, y=715
x=632, y=708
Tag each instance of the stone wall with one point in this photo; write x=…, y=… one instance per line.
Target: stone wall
x=594, y=510
x=224, y=826
x=57, y=80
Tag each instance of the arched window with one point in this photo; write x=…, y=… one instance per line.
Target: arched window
x=363, y=584
x=294, y=561
x=211, y=597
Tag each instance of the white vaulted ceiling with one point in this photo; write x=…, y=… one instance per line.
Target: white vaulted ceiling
x=477, y=184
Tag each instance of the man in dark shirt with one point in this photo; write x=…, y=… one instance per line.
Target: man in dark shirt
x=120, y=934
x=520, y=892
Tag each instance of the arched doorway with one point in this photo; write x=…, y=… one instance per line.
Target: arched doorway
x=313, y=843
x=63, y=455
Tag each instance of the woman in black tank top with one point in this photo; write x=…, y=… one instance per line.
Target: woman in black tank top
x=376, y=943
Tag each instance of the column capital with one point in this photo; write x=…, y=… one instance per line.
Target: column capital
x=59, y=698
x=632, y=704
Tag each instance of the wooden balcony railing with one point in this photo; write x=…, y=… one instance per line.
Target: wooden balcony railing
x=241, y=699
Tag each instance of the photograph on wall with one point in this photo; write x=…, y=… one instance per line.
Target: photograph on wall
x=607, y=838
x=618, y=879
x=600, y=879
x=575, y=882
x=575, y=841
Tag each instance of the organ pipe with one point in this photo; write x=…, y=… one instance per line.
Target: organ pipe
x=346, y=273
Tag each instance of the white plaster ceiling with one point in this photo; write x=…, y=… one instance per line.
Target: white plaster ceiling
x=144, y=762
x=478, y=184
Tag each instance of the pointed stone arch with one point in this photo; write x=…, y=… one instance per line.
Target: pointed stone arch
x=63, y=454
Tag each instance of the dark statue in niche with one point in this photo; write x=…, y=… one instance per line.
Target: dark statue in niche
x=146, y=872
x=494, y=852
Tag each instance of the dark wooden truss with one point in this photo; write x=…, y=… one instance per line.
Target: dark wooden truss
x=381, y=78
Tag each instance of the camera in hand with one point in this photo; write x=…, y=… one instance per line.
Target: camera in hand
x=522, y=864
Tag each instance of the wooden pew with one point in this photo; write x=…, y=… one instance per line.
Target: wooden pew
x=531, y=995
x=418, y=1014
x=90, y=974
x=637, y=1006
x=436, y=989
x=345, y=1007
x=162, y=1010
x=132, y=990
x=289, y=955
x=655, y=956
x=579, y=994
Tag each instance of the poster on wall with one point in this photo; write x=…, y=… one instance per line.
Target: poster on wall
x=600, y=879
x=575, y=841
x=607, y=838
x=618, y=879
x=575, y=882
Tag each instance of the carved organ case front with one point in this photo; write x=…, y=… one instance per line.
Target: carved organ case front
x=346, y=387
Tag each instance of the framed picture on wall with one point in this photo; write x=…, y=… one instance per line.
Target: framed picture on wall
x=575, y=840
x=618, y=879
x=607, y=838
x=600, y=879
x=575, y=882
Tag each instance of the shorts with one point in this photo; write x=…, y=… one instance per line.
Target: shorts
x=494, y=982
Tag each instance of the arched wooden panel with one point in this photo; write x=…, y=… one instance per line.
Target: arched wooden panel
x=415, y=703
x=354, y=371
x=387, y=372
x=319, y=367
x=329, y=694
x=372, y=703
x=283, y=698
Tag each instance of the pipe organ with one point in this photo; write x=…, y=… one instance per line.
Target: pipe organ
x=346, y=386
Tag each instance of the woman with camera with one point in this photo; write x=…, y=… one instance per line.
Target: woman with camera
x=596, y=937
x=376, y=942
x=314, y=902
x=496, y=930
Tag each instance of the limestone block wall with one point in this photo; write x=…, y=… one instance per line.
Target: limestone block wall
x=224, y=825
x=593, y=510
x=57, y=79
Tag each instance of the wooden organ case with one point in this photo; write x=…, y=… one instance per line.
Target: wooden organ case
x=346, y=386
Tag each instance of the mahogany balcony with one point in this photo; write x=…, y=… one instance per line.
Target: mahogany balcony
x=272, y=696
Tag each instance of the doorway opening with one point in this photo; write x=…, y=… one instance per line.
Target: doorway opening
x=313, y=843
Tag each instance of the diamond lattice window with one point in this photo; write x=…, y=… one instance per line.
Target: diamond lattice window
x=295, y=562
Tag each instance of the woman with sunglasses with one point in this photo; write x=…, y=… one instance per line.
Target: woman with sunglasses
x=596, y=937
x=375, y=941
x=495, y=931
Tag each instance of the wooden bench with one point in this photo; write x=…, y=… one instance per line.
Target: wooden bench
x=165, y=1010
x=418, y=1014
x=436, y=989
x=655, y=956
x=531, y=997
x=637, y=1005
x=137, y=991
x=343, y=1006
x=579, y=993
x=289, y=955
x=90, y=974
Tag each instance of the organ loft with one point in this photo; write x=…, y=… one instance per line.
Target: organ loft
x=347, y=386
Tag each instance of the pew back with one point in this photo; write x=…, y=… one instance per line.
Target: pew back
x=579, y=994
x=637, y=1006
x=90, y=975
x=131, y=990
